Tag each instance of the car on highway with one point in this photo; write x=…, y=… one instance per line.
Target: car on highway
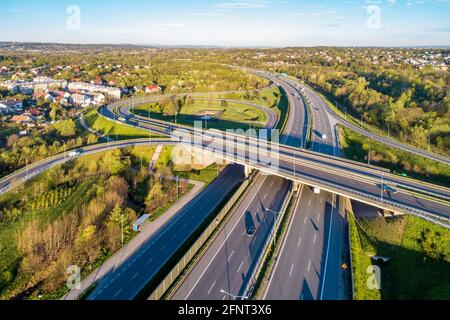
x=249, y=224
x=389, y=189
x=75, y=153
x=324, y=136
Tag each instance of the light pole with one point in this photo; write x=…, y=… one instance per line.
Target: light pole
x=233, y=296
x=368, y=156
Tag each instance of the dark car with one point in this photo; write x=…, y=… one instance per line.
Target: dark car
x=249, y=224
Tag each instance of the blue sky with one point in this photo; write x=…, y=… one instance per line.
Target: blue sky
x=230, y=22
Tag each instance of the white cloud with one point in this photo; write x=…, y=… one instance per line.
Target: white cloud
x=243, y=4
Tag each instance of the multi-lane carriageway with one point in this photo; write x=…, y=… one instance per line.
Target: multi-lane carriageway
x=336, y=175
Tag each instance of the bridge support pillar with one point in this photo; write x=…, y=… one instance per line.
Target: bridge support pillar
x=248, y=171
x=387, y=213
x=296, y=186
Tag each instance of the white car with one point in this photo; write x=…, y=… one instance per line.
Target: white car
x=324, y=136
x=73, y=154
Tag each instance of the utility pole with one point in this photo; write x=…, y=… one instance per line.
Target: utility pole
x=121, y=222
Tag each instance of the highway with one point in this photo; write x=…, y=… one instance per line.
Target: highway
x=347, y=178
x=320, y=103
x=226, y=268
x=308, y=264
x=127, y=280
x=224, y=271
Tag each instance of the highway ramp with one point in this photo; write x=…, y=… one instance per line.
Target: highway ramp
x=128, y=280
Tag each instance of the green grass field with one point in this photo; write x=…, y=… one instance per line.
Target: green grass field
x=232, y=116
x=360, y=262
x=420, y=257
x=114, y=130
x=272, y=98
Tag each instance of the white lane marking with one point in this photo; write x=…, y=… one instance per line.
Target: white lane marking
x=304, y=222
x=210, y=289
x=135, y=276
x=292, y=268
x=240, y=266
x=230, y=255
x=225, y=241
x=321, y=200
x=223, y=298
x=309, y=265
x=299, y=242
x=314, y=240
x=117, y=293
x=301, y=298
x=149, y=261
x=283, y=246
x=309, y=203
x=265, y=196
x=328, y=247
x=318, y=218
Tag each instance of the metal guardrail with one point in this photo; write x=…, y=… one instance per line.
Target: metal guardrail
x=184, y=261
x=250, y=286
x=344, y=205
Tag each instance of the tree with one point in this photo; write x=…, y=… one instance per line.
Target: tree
x=54, y=109
x=154, y=197
x=65, y=128
x=119, y=218
x=12, y=140
x=92, y=139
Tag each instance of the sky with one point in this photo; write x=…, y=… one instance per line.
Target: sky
x=230, y=23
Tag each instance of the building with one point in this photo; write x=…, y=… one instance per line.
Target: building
x=112, y=92
x=25, y=118
x=10, y=106
x=99, y=98
x=38, y=84
x=81, y=100
x=154, y=88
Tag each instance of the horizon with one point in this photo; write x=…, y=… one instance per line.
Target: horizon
x=231, y=23
x=194, y=46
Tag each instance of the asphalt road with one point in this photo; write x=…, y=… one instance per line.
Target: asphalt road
x=225, y=270
x=228, y=263
x=127, y=280
x=318, y=101
x=307, y=267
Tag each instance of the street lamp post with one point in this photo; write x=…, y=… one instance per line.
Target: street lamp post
x=233, y=296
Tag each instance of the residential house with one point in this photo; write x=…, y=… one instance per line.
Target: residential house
x=49, y=97
x=81, y=100
x=10, y=106
x=154, y=88
x=25, y=118
x=99, y=98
